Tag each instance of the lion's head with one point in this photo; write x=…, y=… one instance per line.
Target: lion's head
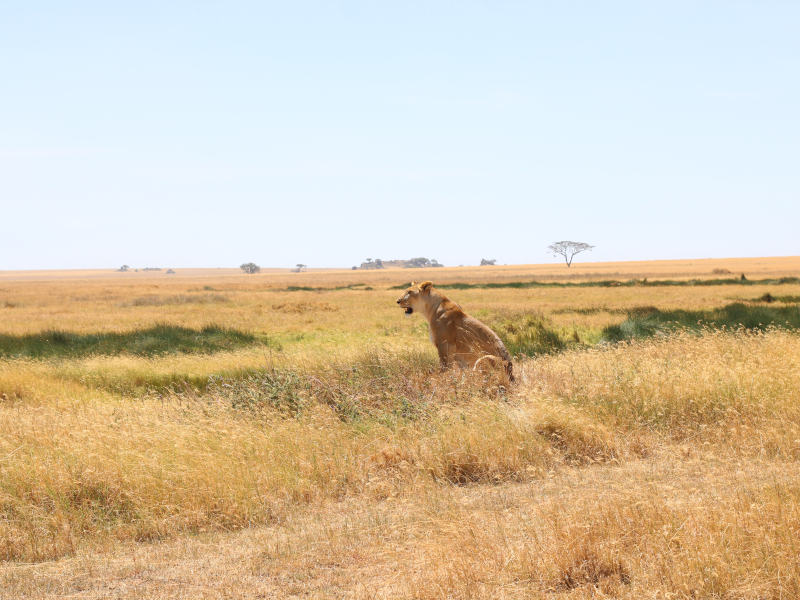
x=415, y=294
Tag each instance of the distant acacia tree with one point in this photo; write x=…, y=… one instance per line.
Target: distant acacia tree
x=124, y=268
x=568, y=249
x=250, y=268
x=488, y=262
x=300, y=267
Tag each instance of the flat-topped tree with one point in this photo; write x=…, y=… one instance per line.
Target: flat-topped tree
x=568, y=249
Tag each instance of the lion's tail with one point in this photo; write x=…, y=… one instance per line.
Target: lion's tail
x=508, y=366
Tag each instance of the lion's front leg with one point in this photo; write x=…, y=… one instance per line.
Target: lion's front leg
x=445, y=360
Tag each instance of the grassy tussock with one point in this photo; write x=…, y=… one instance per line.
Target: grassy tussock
x=494, y=443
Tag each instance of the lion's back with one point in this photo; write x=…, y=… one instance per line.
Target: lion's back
x=481, y=337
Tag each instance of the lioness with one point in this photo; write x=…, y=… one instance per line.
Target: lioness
x=458, y=337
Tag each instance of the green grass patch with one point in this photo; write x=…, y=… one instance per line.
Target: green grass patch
x=527, y=334
x=159, y=339
x=307, y=288
x=649, y=321
x=155, y=300
x=610, y=283
x=769, y=298
x=589, y=310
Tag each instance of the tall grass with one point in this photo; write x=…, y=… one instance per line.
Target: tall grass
x=644, y=541
x=741, y=387
x=244, y=452
x=392, y=388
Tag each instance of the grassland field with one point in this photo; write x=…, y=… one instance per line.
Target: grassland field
x=211, y=434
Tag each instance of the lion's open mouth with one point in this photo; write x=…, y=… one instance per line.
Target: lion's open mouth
x=409, y=310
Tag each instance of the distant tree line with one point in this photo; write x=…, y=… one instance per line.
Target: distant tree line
x=411, y=263
x=126, y=268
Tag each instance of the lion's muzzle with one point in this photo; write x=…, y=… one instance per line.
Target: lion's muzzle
x=408, y=310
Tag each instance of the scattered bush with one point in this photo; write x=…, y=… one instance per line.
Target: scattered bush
x=250, y=268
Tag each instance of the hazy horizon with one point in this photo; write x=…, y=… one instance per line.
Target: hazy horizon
x=188, y=135
x=576, y=265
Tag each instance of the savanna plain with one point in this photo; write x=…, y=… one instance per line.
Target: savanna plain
x=212, y=434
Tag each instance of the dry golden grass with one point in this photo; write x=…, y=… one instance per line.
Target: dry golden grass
x=337, y=462
x=690, y=528
x=774, y=266
x=90, y=301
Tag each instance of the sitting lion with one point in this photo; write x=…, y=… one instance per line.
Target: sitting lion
x=458, y=337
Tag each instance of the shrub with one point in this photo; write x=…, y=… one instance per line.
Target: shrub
x=250, y=268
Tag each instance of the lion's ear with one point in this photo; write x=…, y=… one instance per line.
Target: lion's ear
x=425, y=286
x=413, y=283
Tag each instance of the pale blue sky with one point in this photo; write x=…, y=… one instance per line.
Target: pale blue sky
x=213, y=133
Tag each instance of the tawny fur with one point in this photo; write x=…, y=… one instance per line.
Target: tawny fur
x=459, y=338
